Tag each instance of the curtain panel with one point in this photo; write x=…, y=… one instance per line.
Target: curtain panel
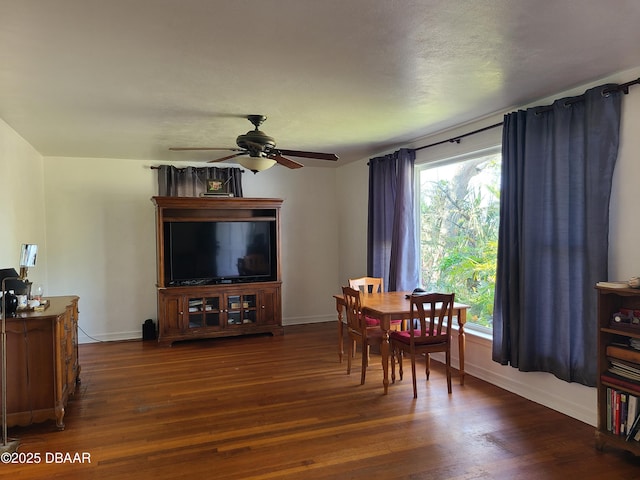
x=557, y=169
x=392, y=251
x=192, y=181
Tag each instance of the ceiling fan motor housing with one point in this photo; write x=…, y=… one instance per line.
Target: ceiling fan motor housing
x=256, y=141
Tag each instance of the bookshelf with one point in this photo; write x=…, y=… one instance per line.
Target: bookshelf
x=618, y=382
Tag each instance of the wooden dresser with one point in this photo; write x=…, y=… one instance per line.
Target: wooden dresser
x=42, y=362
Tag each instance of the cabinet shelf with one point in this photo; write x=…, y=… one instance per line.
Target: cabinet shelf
x=627, y=332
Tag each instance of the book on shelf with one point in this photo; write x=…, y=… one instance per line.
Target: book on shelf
x=616, y=380
x=633, y=418
x=632, y=404
x=609, y=409
x=622, y=412
x=613, y=284
x=625, y=369
x=623, y=353
x=616, y=418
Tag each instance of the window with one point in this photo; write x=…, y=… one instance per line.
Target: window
x=459, y=213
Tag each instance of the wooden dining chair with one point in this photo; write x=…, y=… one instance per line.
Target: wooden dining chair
x=430, y=332
x=358, y=331
x=372, y=285
x=367, y=284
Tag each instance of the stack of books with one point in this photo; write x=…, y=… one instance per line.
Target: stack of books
x=623, y=406
x=623, y=414
x=195, y=305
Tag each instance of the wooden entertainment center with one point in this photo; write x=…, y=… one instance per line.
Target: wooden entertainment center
x=222, y=306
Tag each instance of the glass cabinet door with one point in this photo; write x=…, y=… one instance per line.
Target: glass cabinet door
x=195, y=312
x=204, y=312
x=212, y=312
x=241, y=309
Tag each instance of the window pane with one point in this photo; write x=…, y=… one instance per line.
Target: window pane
x=459, y=220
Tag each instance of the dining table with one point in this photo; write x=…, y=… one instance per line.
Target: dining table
x=386, y=306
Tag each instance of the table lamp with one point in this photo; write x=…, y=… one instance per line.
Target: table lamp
x=28, y=255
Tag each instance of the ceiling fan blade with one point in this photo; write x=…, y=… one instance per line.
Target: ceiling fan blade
x=227, y=157
x=179, y=149
x=298, y=153
x=285, y=162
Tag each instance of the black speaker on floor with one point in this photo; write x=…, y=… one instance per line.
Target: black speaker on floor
x=148, y=330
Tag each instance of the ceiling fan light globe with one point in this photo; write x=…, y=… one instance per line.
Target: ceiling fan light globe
x=256, y=164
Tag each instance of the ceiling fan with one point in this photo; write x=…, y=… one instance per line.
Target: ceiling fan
x=259, y=150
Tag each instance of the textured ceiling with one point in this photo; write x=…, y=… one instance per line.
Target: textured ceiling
x=131, y=78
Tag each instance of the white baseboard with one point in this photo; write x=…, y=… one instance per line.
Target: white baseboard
x=309, y=319
x=108, y=337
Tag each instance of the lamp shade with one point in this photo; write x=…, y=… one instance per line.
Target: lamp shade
x=28, y=255
x=256, y=164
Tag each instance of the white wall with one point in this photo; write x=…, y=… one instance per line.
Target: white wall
x=624, y=226
x=101, y=240
x=22, y=207
x=309, y=236
x=353, y=186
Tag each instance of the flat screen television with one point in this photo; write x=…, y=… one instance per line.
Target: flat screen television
x=213, y=252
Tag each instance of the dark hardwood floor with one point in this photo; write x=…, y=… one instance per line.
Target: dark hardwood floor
x=283, y=408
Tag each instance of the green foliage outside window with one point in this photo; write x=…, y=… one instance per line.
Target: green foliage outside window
x=459, y=221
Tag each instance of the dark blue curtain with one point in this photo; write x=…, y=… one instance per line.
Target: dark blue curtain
x=557, y=168
x=391, y=241
x=192, y=181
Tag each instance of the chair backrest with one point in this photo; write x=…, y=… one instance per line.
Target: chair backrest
x=367, y=284
x=434, y=312
x=355, y=319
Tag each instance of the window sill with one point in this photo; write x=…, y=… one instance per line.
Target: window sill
x=484, y=334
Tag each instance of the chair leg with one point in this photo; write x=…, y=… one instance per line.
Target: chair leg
x=413, y=371
x=448, y=360
x=393, y=364
x=427, y=364
x=400, y=359
x=350, y=354
x=363, y=373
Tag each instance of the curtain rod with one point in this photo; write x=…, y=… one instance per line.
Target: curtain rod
x=153, y=167
x=459, y=137
x=623, y=87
